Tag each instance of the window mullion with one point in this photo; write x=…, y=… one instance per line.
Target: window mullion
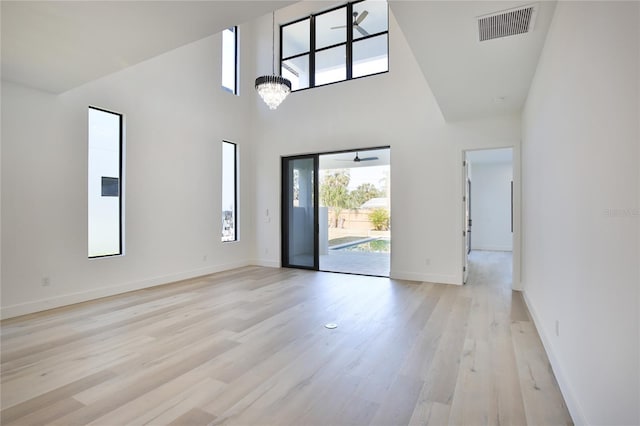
x=312, y=51
x=281, y=42
x=349, y=49
x=236, y=61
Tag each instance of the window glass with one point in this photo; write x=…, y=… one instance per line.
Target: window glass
x=370, y=56
x=331, y=28
x=104, y=183
x=230, y=60
x=370, y=17
x=229, y=191
x=295, y=38
x=331, y=65
x=319, y=50
x=297, y=71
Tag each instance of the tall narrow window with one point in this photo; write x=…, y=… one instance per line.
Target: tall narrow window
x=105, y=183
x=229, y=192
x=230, y=60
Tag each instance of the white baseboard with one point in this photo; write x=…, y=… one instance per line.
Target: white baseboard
x=409, y=276
x=265, y=263
x=399, y=275
x=422, y=277
x=84, y=296
x=565, y=388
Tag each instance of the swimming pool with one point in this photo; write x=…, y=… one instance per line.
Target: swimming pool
x=380, y=245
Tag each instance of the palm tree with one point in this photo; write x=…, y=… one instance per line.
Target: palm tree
x=334, y=192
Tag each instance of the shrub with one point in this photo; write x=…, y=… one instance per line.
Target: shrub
x=380, y=219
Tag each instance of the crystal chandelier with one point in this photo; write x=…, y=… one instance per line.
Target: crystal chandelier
x=273, y=88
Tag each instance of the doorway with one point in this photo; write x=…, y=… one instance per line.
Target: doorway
x=300, y=212
x=336, y=212
x=488, y=206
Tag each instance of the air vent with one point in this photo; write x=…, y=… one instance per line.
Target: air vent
x=506, y=23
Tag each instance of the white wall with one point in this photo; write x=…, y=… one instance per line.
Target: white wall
x=396, y=109
x=580, y=207
x=491, y=206
x=176, y=116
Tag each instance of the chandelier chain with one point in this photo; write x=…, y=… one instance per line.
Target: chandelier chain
x=273, y=42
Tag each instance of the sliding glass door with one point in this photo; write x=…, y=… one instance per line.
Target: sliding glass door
x=299, y=212
x=336, y=212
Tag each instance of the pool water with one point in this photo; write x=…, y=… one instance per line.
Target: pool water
x=373, y=246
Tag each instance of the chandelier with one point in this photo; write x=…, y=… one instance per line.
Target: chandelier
x=273, y=88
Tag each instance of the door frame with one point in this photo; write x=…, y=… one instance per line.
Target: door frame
x=515, y=210
x=469, y=220
x=466, y=217
x=284, y=212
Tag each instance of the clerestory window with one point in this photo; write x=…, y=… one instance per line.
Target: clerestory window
x=343, y=43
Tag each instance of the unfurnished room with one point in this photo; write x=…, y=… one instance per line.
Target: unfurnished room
x=284, y=212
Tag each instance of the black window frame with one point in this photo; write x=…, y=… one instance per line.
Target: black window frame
x=236, y=67
x=235, y=191
x=348, y=45
x=120, y=180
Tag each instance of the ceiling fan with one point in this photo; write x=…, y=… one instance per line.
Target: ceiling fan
x=357, y=20
x=357, y=159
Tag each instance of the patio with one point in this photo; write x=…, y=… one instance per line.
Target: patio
x=356, y=262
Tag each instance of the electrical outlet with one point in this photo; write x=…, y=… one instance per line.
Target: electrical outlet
x=266, y=251
x=204, y=258
x=427, y=261
x=557, y=328
x=46, y=281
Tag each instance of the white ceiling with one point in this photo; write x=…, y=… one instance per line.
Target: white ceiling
x=58, y=45
x=472, y=79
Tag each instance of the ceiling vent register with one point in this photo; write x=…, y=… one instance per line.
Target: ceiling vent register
x=506, y=23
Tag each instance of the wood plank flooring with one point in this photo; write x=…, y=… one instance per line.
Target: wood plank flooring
x=249, y=347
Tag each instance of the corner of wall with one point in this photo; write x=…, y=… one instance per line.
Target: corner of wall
x=425, y=277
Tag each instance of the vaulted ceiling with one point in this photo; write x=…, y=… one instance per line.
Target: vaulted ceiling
x=472, y=79
x=58, y=45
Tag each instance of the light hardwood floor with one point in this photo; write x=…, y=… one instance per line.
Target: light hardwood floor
x=249, y=346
